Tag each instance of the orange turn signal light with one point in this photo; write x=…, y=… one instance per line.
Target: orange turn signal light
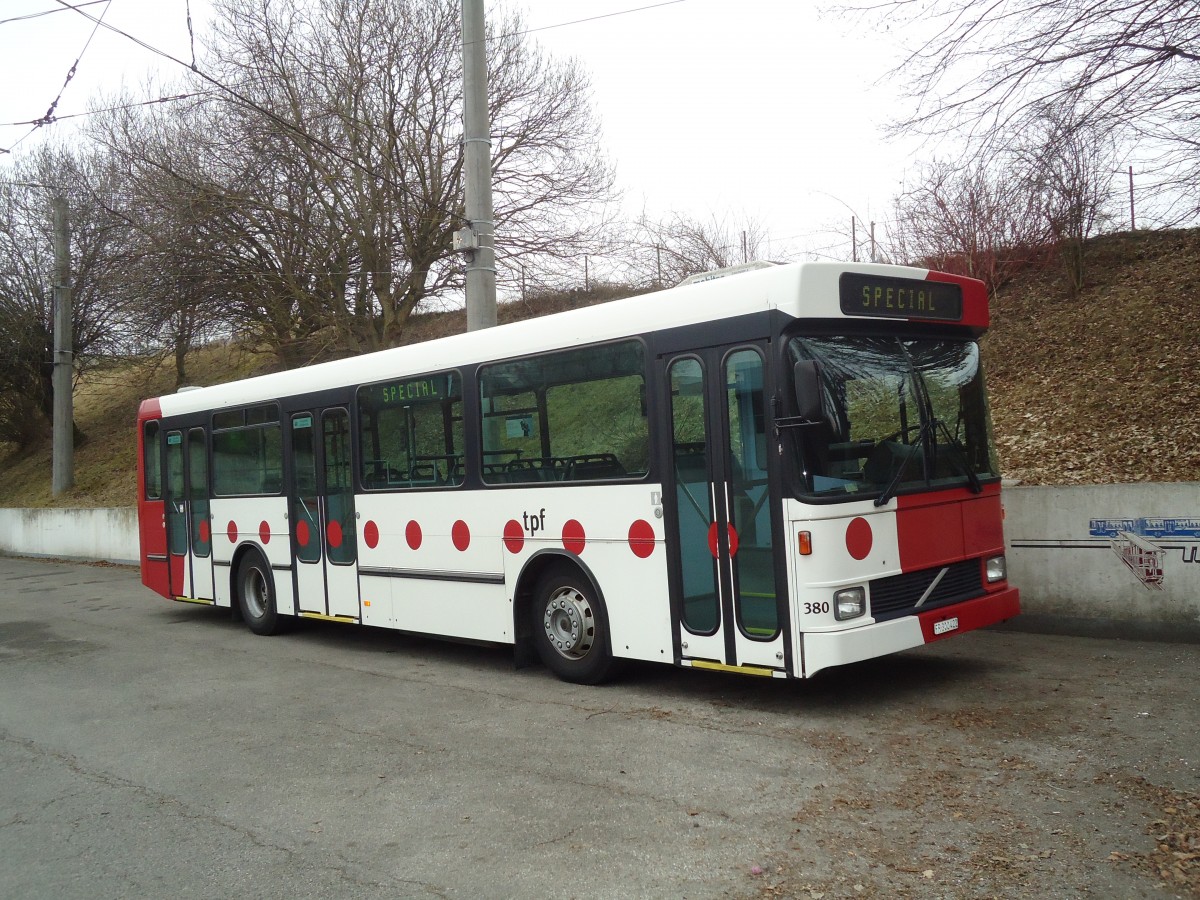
x=805, y=541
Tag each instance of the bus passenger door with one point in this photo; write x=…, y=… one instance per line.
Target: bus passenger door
x=727, y=609
x=189, y=528
x=321, y=510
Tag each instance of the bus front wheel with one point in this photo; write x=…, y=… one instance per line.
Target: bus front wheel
x=255, y=589
x=570, y=629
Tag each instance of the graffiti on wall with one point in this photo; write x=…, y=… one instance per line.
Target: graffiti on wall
x=1142, y=544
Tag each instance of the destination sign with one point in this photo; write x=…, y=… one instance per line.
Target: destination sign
x=413, y=390
x=899, y=298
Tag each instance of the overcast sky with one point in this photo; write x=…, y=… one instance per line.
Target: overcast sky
x=761, y=109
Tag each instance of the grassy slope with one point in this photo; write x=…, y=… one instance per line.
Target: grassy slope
x=1095, y=391
x=106, y=404
x=1101, y=390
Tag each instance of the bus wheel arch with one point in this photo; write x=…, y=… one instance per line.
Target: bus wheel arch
x=252, y=591
x=560, y=617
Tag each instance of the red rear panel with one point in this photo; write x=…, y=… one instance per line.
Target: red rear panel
x=152, y=532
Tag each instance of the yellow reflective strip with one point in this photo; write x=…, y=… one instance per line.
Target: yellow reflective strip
x=325, y=618
x=722, y=667
x=195, y=600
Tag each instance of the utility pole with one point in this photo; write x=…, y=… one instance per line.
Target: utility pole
x=853, y=239
x=63, y=439
x=1132, y=220
x=872, y=242
x=478, y=238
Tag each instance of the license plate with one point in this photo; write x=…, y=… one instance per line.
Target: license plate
x=945, y=625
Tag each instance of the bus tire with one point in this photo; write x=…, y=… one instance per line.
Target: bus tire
x=570, y=628
x=255, y=590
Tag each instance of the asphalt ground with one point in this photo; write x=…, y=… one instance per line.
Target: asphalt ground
x=158, y=749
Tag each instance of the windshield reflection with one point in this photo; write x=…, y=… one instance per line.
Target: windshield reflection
x=897, y=415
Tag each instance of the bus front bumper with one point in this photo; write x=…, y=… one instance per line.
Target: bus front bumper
x=837, y=648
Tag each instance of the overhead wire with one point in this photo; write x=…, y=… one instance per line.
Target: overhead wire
x=93, y=112
x=623, y=12
x=47, y=12
x=290, y=127
x=49, y=116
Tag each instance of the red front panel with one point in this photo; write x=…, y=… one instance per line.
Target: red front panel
x=975, y=299
x=971, y=614
x=948, y=526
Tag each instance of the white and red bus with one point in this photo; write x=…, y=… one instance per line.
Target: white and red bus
x=773, y=472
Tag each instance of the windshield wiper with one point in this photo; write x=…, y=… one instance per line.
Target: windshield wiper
x=960, y=456
x=922, y=436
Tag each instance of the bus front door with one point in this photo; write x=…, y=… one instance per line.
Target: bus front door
x=726, y=605
x=321, y=510
x=188, y=521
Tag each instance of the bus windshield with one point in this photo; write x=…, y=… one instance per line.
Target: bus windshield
x=897, y=415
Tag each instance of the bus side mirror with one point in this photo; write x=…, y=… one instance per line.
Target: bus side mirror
x=808, y=390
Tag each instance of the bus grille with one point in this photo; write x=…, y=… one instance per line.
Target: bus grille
x=897, y=595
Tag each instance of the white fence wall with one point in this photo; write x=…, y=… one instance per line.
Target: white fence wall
x=108, y=534
x=1090, y=559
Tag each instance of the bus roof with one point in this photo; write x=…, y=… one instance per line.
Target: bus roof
x=799, y=290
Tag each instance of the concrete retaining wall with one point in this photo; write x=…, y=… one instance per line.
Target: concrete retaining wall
x=108, y=534
x=1108, y=560
x=1099, y=560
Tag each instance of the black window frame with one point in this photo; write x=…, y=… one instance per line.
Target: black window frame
x=243, y=419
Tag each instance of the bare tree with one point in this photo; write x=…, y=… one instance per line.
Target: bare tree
x=1069, y=165
x=100, y=321
x=320, y=196
x=1126, y=68
x=663, y=252
x=975, y=219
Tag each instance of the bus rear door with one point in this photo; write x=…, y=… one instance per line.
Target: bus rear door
x=321, y=512
x=189, y=525
x=727, y=609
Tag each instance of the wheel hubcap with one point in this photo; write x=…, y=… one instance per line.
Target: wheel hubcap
x=570, y=623
x=254, y=589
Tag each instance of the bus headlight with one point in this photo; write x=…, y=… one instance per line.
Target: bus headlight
x=849, y=603
x=996, y=569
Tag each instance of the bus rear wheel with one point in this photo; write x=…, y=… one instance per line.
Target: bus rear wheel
x=570, y=629
x=255, y=589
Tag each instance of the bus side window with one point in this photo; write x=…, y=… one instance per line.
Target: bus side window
x=152, y=461
x=247, y=452
x=573, y=416
x=411, y=432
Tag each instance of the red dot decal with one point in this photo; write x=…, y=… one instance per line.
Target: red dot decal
x=371, y=534
x=231, y=531
x=514, y=536
x=412, y=534
x=641, y=538
x=333, y=534
x=302, y=534
x=264, y=532
x=712, y=539
x=859, y=538
x=573, y=537
x=204, y=530
x=461, y=535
